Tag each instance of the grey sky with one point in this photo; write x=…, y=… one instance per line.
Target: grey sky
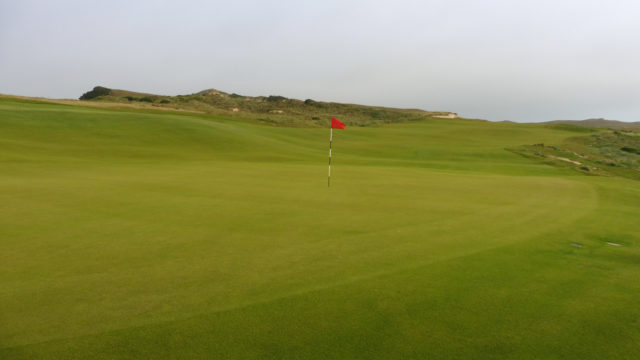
x=517, y=60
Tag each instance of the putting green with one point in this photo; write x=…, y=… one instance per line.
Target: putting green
x=152, y=235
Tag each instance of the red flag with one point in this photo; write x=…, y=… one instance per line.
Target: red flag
x=336, y=124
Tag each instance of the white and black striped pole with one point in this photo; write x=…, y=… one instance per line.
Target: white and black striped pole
x=330, y=144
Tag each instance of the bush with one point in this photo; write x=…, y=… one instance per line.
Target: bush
x=378, y=114
x=146, y=99
x=630, y=150
x=131, y=98
x=164, y=101
x=309, y=102
x=275, y=98
x=97, y=91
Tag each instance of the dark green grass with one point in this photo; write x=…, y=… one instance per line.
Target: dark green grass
x=151, y=235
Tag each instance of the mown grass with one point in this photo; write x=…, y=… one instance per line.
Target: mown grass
x=152, y=235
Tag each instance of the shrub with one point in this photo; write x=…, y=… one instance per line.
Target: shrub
x=630, y=150
x=131, y=98
x=97, y=91
x=275, y=98
x=164, y=101
x=377, y=114
x=146, y=99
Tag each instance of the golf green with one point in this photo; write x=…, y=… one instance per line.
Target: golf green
x=129, y=234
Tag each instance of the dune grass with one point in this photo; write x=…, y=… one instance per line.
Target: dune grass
x=160, y=235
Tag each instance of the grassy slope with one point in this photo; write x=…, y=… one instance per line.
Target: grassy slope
x=614, y=124
x=152, y=235
x=269, y=110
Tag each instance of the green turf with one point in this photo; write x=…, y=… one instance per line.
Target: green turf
x=131, y=235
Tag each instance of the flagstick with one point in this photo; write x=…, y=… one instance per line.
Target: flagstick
x=330, y=142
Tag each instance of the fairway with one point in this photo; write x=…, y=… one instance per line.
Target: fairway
x=131, y=234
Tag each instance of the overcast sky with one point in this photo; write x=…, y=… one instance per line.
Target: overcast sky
x=498, y=60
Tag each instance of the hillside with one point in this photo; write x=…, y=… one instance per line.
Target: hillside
x=273, y=109
x=594, y=152
x=604, y=123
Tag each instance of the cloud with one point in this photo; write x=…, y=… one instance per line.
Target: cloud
x=524, y=60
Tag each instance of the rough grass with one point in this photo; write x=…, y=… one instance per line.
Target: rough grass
x=161, y=235
x=605, y=153
x=273, y=110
